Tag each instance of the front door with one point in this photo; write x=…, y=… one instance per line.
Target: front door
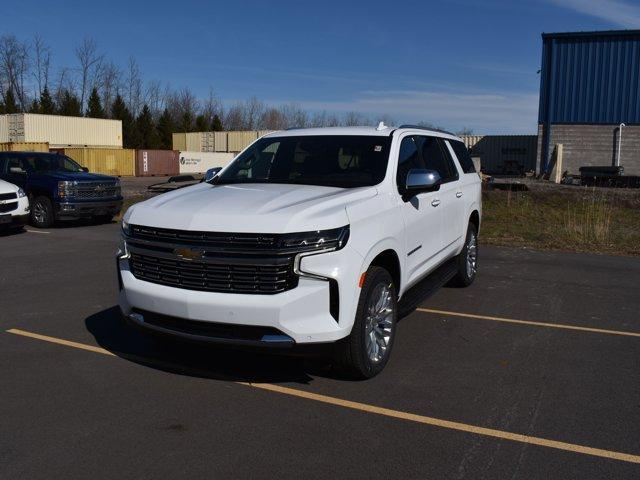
x=421, y=215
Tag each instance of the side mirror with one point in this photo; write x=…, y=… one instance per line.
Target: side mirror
x=17, y=170
x=85, y=169
x=211, y=173
x=420, y=180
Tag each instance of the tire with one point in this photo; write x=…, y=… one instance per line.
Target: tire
x=467, y=259
x=42, y=212
x=361, y=355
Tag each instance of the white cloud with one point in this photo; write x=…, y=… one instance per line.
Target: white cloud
x=485, y=113
x=618, y=12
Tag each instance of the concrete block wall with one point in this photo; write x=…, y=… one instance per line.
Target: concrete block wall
x=594, y=145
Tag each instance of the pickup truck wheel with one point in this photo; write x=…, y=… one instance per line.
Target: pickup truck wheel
x=365, y=352
x=468, y=259
x=42, y=212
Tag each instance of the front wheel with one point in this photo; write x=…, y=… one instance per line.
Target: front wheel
x=42, y=212
x=468, y=259
x=365, y=352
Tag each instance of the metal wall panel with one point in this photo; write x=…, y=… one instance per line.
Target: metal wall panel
x=110, y=161
x=193, y=141
x=4, y=128
x=24, y=147
x=61, y=131
x=591, y=78
x=238, y=141
x=179, y=141
x=220, y=141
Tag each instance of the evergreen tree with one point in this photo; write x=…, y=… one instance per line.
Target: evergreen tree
x=46, y=103
x=216, y=124
x=69, y=105
x=10, y=105
x=165, y=128
x=201, y=124
x=119, y=111
x=35, y=106
x=94, y=106
x=186, y=122
x=146, y=129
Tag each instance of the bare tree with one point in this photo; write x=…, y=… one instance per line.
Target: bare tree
x=134, y=87
x=110, y=84
x=89, y=60
x=14, y=67
x=353, y=119
x=42, y=63
x=294, y=115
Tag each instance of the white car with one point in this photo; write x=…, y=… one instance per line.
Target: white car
x=309, y=236
x=14, y=206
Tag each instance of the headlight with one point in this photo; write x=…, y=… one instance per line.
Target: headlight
x=21, y=193
x=333, y=239
x=126, y=229
x=66, y=189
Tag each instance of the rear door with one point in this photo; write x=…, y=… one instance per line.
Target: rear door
x=420, y=214
x=436, y=156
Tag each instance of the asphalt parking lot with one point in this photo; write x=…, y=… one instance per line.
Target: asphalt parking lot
x=533, y=372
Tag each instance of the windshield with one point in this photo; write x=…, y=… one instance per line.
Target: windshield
x=325, y=160
x=51, y=163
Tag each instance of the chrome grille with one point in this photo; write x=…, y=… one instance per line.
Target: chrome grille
x=210, y=261
x=92, y=190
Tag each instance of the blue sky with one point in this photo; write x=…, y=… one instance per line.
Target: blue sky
x=453, y=63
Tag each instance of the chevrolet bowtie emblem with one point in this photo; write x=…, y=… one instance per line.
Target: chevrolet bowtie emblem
x=188, y=253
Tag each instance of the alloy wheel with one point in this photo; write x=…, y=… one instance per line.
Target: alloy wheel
x=379, y=323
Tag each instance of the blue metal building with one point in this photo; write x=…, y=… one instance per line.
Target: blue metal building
x=590, y=84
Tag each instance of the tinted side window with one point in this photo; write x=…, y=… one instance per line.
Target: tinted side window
x=435, y=158
x=408, y=158
x=463, y=156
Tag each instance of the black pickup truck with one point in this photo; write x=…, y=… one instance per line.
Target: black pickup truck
x=61, y=189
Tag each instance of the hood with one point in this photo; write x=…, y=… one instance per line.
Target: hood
x=245, y=208
x=6, y=187
x=79, y=176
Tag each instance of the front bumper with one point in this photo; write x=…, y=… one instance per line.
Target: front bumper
x=19, y=216
x=74, y=210
x=303, y=314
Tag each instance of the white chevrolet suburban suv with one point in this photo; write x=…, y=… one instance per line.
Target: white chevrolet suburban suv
x=309, y=236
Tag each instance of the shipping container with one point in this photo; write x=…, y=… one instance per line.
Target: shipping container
x=179, y=141
x=61, y=131
x=503, y=153
x=24, y=147
x=238, y=141
x=220, y=141
x=151, y=163
x=109, y=161
x=4, y=128
x=200, y=162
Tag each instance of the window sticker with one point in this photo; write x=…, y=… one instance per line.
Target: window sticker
x=377, y=148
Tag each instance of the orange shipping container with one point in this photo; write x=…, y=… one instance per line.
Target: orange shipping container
x=151, y=163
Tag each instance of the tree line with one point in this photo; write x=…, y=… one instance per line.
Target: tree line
x=97, y=87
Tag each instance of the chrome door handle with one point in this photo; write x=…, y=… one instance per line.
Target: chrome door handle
x=458, y=194
x=435, y=202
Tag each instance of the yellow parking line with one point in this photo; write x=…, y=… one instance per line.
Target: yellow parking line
x=363, y=407
x=37, y=231
x=527, y=322
x=60, y=341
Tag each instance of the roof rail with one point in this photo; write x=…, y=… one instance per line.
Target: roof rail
x=419, y=127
